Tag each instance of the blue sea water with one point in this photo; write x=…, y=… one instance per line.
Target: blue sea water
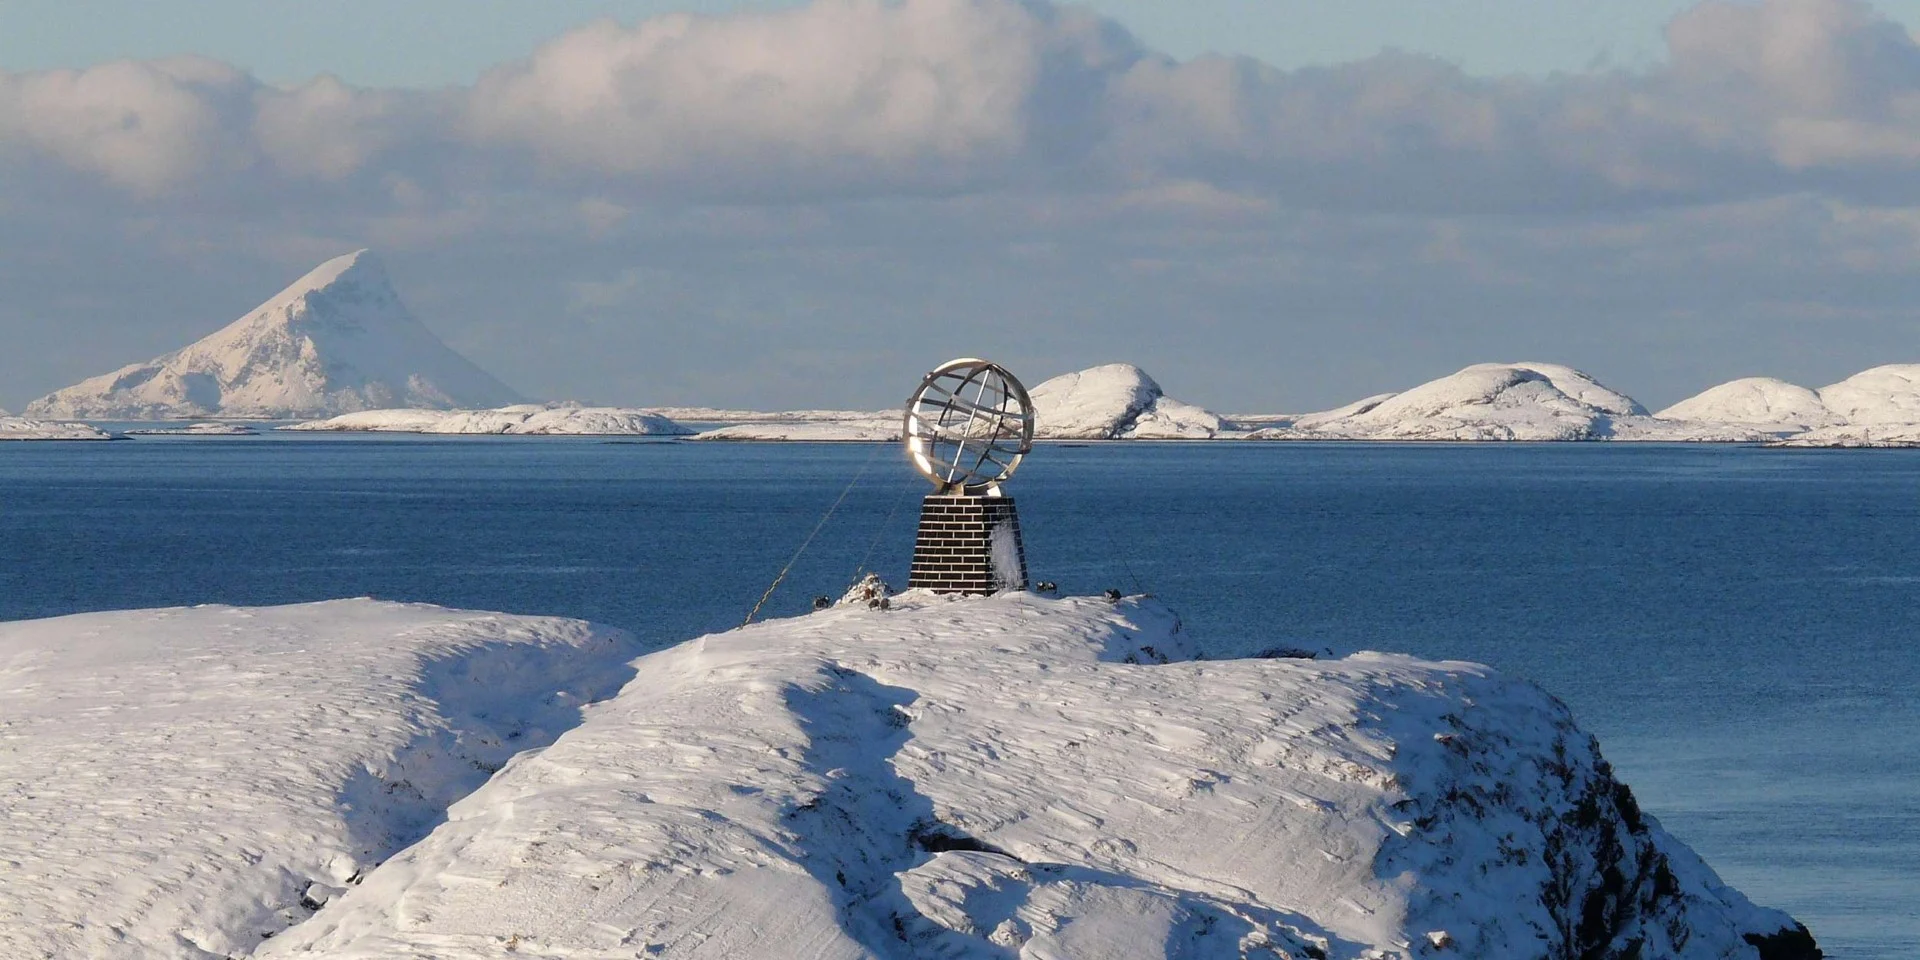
x=1737, y=625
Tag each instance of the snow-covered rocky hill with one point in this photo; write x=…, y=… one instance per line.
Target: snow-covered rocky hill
x=1116, y=401
x=994, y=778
x=1879, y=407
x=518, y=419
x=1882, y=395
x=1502, y=401
x=337, y=340
x=24, y=428
x=1761, y=402
x=181, y=784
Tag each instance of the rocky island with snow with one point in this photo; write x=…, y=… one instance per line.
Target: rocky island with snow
x=526, y=419
x=1763, y=403
x=27, y=428
x=1115, y=401
x=853, y=427
x=1879, y=407
x=210, y=428
x=1011, y=776
x=1504, y=401
x=338, y=340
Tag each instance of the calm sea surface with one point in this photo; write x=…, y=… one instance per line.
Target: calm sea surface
x=1737, y=625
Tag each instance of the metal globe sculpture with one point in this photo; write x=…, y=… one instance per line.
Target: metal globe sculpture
x=967, y=428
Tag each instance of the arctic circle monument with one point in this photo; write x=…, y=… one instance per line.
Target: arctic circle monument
x=968, y=426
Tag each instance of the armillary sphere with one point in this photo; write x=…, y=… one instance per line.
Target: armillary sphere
x=968, y=426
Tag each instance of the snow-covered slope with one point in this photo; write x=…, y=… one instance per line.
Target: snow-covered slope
x=1314, y=421
x=1114, y=402
x=518, y=419
x=23, y=428
x=337, y=340
x=1882, y=395
x=173, y=783
x=1763, y=402
x=1020, y=777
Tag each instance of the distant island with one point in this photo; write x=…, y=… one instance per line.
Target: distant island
x=339, y=351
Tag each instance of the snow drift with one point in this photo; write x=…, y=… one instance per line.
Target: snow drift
x=337, y=340
x=1022, y=777
x=520, y=419
x=184, y=783
x=23, y=428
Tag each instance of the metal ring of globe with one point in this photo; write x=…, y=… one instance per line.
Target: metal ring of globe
x=969, y=425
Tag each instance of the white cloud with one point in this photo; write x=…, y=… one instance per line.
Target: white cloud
x=926, y=90
x=327, y=130
x=859, y=98
x=142, y=126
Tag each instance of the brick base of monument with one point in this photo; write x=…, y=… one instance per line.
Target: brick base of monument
x=968, y=545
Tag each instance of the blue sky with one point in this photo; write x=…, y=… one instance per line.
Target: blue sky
x=788, y=205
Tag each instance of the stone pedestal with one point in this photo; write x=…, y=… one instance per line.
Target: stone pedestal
x=968, y=544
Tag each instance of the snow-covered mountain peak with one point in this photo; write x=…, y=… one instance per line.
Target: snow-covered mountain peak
x=337, y=340
x=338, y=290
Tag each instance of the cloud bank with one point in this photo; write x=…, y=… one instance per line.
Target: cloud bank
x=865, y=131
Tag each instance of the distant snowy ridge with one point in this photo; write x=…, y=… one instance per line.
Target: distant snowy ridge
x=23, y=428
x=336, y=340
x=180, y=784
x=1117, y=401
x=1022, y=777
x=527, y=419
x=1502, y=401
x=720, y=415
x=880, y=428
